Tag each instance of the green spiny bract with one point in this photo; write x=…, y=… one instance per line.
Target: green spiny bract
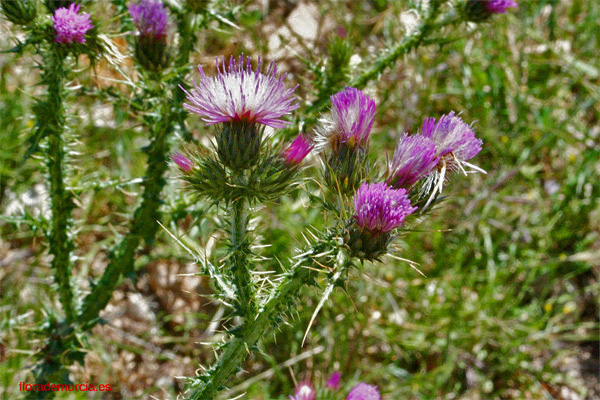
x=238, y=144
x=20, y=12
x=266, y=181
x=151, y=53
x=345, y=168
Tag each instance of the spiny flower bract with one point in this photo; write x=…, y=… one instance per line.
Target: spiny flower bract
x=380, y=208
x=70, y=26
x=240, y=94
x=150, y=18
x=297, y=150
x=414, y=157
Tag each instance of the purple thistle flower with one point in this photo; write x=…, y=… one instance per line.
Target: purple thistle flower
x=182, y=162
x=150, y=18
x=304, y=391
x=500, y=6
x=380, y=208
x=71, y=26
x=352, y=114
x=414, y=157
x=363, y=391
x=240, y=94
x=456, y=143
x=452, y=136
x=297, y=150
x=334, y=381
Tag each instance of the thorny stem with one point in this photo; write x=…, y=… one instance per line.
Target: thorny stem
x=61, y=243
x=143, y=225
x=50, y=116
x=238, y=257
x=236, y=350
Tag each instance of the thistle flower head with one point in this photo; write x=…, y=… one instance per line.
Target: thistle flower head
x=352, y=113
x=455, y=143
x=414, y=157
x=304, y=391
x=453, y=136
x=297, y=150
x=481, y=10
x=500, y=6
x=363, y=391
x=150, y=18
x=182, y=162
x=240, y=94
x=380, y=208
x=70, y=26
x=333, y=382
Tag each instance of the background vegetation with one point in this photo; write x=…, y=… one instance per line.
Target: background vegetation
x=509, y=305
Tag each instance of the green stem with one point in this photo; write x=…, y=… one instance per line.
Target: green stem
x=238, y=258
x=52, y=121
x=143, y=227
x=236, y=350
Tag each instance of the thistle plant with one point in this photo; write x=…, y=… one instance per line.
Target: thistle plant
x=364, y=227
x=258, y=154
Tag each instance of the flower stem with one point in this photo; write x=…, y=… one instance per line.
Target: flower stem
x=236, y=350
x=51, y=118
x=238, y=258
x=143, y=225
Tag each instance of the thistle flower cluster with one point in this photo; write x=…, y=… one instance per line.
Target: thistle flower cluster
x=421, y=160
x=69, y=25
x=360, y=391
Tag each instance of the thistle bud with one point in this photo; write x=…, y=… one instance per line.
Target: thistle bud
x=183, y=162
x=20, y=12
x=481, y=10
x=297, y=150
x=333, y=382
x=150, y=18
